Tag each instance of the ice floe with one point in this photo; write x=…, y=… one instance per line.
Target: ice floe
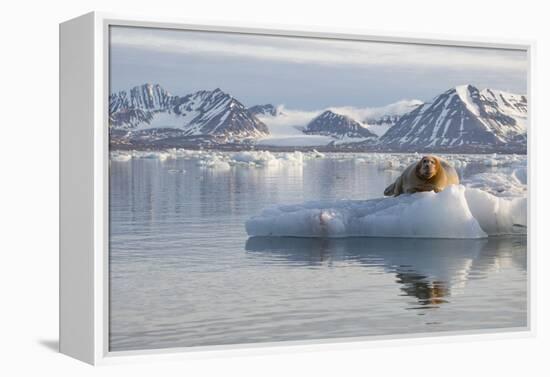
x=497, y=215
x=456, y=212
x=503, y=183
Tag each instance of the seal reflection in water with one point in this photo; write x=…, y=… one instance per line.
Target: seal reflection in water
x=428, y=270
x=431, y=173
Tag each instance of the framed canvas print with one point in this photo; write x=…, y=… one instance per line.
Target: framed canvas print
x=232, y=187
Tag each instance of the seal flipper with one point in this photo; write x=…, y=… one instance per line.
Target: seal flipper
x=390, y=190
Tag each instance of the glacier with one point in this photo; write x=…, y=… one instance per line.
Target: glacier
x=456, y=212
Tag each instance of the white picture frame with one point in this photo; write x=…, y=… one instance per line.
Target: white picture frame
x=84, y=159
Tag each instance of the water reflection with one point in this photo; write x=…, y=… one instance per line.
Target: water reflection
x=429, y=270
x=180, y=276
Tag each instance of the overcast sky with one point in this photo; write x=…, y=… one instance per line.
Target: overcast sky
x=305, y=73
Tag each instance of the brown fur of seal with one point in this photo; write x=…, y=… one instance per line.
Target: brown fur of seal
x=431, y=173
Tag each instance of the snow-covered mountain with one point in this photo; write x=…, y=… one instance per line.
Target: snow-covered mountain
x=127, y=118
x=151, y=97
x=338, y=126
x=217, y=113
x=460, y=117
x=150, y=113
x=130, y=109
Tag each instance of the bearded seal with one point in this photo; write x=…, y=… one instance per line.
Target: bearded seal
x=431, y=173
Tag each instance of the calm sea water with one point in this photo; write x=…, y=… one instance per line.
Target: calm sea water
x=184, y=273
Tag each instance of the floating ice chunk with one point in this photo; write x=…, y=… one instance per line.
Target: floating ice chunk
x=263, y=158
x=214, y=162
x=266, y=158
x=246, y=156
x=153, y=155
x=490, y=162
x=316, y=154
x=391, y=164
x=502, y=184
x=294, y=158
x=175, y=171
x=458, y=163
x=164, y=156
x=498, y=216
x=420, y=215
x=520, y=174
x=121, y=157
x=501, y=160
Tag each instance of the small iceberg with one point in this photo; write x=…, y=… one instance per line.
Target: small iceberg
x=267, y=159
x=456, y=212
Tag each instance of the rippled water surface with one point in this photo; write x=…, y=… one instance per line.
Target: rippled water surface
x=184, y=273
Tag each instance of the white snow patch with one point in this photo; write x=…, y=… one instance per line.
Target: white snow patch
x=378, y=129
x=464, y=94
x=167, y=120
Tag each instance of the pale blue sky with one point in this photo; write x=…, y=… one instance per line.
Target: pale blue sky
x=305, y=73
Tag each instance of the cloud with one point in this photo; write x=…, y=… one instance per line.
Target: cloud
x=317, y=51
x=289, y=121
x=363, y=113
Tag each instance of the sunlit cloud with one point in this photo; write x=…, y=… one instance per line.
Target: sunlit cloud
x=289, y=120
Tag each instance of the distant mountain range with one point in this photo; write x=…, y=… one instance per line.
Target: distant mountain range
x=462, y=119
x=338, y=126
